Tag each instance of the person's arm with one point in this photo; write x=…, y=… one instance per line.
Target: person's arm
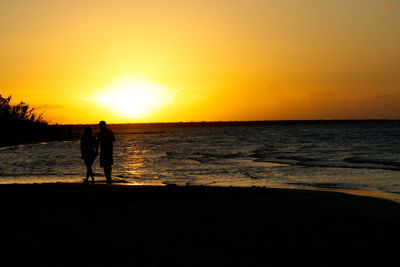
x=96, y=144
x=81, y=146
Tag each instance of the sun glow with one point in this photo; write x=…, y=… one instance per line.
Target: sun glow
x=133, y=98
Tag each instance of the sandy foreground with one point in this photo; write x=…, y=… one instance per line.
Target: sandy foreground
x=119, y=225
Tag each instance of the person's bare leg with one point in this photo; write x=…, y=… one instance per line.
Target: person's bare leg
x=91, y=174
x=107, y=172
x=109, y=180
x=87, y=173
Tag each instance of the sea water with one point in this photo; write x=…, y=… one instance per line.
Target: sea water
x=335, y=155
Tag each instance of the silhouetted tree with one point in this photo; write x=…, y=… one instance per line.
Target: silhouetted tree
x=19, y=112
x=20, y=123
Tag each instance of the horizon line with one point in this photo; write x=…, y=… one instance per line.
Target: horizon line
x=234, y=121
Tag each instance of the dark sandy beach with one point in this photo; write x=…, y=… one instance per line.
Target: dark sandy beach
x=100, y=225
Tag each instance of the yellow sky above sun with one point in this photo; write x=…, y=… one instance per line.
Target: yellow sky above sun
x=153, y=60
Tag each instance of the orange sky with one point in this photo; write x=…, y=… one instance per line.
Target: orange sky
x=154, y=60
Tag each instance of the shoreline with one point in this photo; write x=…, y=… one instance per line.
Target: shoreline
x=62, y=138
x=119, y=225
x=354, y=192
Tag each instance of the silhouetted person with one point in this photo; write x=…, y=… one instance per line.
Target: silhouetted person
x=88, y=151
x=106, y=140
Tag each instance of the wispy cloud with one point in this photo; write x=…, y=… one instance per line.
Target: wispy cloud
x=388, y=5
x=273, y=90
x=382, y=95
x=172, y=96
x=48, y=106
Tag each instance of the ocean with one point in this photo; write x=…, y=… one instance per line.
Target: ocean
x=358, y=155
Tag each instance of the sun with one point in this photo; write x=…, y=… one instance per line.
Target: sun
x=132, y=97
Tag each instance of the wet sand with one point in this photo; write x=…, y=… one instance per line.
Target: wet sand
x=100, y=225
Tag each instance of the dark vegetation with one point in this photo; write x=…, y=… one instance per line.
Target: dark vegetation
x=20, y=123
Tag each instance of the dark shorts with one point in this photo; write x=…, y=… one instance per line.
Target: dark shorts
x=106, y=160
